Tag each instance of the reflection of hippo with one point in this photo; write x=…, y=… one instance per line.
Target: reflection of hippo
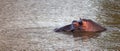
x=84, y=25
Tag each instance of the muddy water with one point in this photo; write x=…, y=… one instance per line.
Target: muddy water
x=27, y=25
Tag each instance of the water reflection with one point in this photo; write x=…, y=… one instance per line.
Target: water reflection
x=84, y=41
x=78, y=35
x=85, y=35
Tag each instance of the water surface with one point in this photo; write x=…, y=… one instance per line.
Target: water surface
x=27, y=25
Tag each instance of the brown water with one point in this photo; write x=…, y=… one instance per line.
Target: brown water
x=27, y=25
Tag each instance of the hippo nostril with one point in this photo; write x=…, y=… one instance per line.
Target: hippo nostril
x=72, y=28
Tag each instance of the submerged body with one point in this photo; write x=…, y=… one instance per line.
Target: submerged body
x=83, y=25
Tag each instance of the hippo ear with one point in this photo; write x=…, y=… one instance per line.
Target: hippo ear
x=80, y=21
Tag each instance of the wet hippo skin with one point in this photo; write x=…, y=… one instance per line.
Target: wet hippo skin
x=90, y=26
x=83, y=25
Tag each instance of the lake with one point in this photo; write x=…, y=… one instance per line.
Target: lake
x=27, y=25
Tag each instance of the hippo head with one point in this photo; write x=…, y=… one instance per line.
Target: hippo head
x=85, y=25
x=76, y=25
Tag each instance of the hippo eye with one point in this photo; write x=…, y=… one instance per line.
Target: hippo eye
x=74, y=21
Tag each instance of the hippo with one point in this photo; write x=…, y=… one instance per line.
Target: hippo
x=82, y=25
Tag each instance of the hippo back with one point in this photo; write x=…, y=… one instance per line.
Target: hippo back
x=93, y=27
